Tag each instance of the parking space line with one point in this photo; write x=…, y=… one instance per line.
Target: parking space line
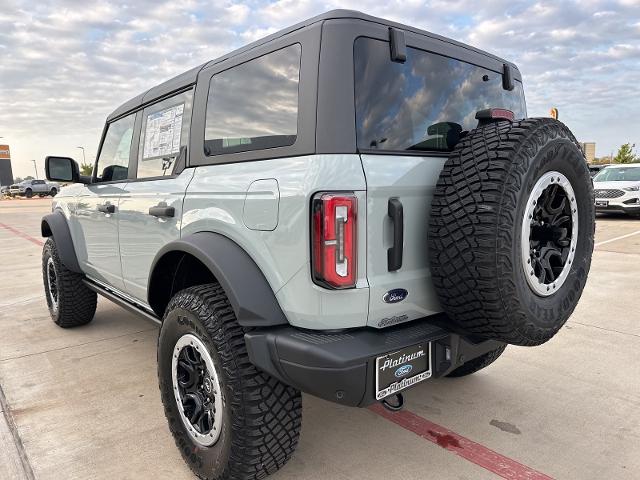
x=22, y=235
x=480, y=455
x=604, y=242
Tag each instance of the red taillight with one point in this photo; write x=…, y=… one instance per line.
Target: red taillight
x=334, y=239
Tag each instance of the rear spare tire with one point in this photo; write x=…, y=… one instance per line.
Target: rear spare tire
x=511, y=230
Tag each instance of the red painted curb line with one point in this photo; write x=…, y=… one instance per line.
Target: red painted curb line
x=22, y=235
x=468, y=449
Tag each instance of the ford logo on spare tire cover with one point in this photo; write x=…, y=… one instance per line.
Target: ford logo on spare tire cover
x=403, y=370
x=396, y=295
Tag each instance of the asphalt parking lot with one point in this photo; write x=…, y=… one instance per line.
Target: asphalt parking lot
x=84, y=403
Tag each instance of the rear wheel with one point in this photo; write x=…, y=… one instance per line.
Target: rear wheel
x=53, y=192
x=229, y=420
x=71, y=303
x=472, y=366
x=511, y=231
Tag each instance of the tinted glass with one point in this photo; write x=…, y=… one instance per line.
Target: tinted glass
x=165, y=133
x=427, y=103
x=630, y=174
x=255, y=105
x=113, y=163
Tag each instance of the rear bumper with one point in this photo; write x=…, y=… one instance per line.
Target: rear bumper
x=340, y=367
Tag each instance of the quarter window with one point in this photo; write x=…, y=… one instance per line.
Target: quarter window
x=165, y=134
x=427, y=103
x=113, y=163
x=254, y=106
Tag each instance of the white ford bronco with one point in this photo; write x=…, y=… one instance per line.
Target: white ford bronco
x=347, y=208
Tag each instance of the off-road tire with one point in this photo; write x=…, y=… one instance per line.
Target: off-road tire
x=475, y=230
x=478, y=363
x=28, y=193
x=76, y=303
x=262, y=416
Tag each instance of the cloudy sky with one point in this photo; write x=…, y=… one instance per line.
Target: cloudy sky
x=66, y=64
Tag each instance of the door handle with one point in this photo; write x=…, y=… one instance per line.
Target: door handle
x=162, y=211
x=107, y=208
x=394, y=254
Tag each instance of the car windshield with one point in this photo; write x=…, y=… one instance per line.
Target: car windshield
x=628, y=174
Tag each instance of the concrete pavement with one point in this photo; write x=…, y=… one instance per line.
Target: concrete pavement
x=84, y=403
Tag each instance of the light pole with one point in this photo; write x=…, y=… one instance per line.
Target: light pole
x=35, y=168
x=84, y=159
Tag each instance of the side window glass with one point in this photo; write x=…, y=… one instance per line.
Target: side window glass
x=113, y=163
x=165, y=134
x=254, y=106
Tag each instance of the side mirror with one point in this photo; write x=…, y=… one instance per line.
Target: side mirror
x=63, y=169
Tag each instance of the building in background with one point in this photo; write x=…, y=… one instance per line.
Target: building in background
x=6, y=173
x=589, y=149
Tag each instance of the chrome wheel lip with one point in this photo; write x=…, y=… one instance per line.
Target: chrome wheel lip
x=211, y=437
x=52, y=290
x=548, y=179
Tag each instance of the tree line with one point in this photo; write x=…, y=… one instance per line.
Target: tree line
x=626, y=154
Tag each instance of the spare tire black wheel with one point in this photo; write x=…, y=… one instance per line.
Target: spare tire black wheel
x=511, y=230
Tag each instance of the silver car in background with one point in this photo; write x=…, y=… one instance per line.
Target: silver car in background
x=617, y=189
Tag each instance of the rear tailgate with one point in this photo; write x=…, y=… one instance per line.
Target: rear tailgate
x=410, y=114
x=411, y=180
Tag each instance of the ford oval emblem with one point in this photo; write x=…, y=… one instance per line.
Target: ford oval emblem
x=396, y=295
x=403, y=370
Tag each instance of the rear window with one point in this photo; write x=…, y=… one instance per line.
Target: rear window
x=427, y=103
x=255, y=105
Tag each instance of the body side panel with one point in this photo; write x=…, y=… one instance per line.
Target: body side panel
x=142, y=235
x=215, y=203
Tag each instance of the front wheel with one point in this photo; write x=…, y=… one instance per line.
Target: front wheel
x=53, y=192
x=28, y=193
x=229, y=420
x=71, y=303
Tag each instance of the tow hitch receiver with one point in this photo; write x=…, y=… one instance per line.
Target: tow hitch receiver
x=394, y=407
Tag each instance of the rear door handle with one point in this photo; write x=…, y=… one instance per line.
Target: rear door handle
x=394, y=254
x=107, y=208
x=162, y=211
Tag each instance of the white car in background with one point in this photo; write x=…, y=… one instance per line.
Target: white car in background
x=617, y=189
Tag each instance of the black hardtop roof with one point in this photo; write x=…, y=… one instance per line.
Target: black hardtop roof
x=189, y=77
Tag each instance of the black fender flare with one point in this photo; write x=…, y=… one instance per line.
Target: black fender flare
x=55, y=225
x=249, y=292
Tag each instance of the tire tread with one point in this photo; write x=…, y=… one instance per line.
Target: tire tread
x=76, y=302
x=267, y=414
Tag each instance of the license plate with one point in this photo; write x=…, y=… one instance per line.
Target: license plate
x=602, y=203
x=402, y=369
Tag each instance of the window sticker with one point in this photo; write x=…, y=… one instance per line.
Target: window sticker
x=162, y=134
